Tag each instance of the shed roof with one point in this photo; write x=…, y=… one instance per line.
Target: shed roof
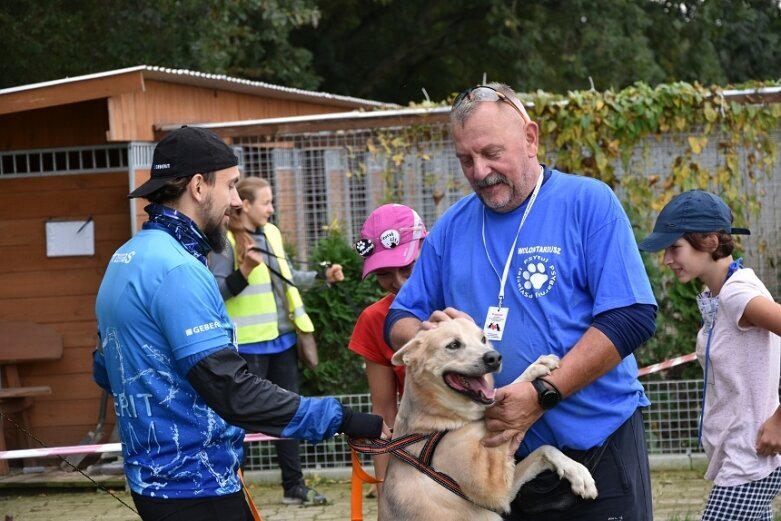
x=109, y=83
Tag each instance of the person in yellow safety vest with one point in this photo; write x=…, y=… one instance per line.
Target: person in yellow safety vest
x=261, y=293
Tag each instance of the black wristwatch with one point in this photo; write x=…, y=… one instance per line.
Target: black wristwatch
x=548, y=393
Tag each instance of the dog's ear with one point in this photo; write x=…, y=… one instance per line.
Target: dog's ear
x=401, y=357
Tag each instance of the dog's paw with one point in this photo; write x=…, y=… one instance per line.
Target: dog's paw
x=551, y=362
x=580, y=479
x=541, y=367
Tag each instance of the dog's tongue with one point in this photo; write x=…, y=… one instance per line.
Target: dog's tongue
x=477, y=386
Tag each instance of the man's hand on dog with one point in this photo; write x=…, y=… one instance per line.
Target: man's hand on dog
x=515, y=409
x=443, y=315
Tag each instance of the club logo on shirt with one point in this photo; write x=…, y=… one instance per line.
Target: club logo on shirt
x=536, y=276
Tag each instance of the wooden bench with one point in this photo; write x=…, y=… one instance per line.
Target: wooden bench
x=22, y=343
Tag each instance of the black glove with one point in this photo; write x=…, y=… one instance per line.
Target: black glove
x=360, y=424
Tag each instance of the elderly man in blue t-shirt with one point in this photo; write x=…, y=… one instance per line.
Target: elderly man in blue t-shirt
x=545, y=262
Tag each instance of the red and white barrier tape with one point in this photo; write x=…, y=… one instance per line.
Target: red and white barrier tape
x=672, y=362
x=91, y=449
x=116, y=447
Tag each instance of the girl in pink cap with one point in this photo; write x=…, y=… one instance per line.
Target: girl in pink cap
x=390, y=243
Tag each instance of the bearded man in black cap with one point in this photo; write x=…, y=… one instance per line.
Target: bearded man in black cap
x=183, y=396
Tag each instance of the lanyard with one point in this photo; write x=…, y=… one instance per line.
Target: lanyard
x=503, y=278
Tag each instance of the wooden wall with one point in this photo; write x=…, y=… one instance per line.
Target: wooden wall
x=133, y=115
x=59, y=291
x=136, y=115
x=77, y=124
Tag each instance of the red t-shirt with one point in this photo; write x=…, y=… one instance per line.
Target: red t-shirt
x=367, y=339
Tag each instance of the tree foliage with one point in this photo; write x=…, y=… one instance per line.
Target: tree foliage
x=51, y=39
x=392, y=49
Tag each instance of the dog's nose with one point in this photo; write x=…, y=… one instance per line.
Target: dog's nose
x=492, y=360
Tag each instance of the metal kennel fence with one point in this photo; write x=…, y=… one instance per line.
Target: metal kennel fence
x=671, y=428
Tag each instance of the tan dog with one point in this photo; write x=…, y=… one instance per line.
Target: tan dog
x=448, y=386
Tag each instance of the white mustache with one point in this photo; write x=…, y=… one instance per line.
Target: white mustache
x=491, y=180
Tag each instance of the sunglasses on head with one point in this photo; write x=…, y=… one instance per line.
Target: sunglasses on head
x=486, y=93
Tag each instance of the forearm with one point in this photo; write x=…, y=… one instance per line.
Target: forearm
x=240, y=397
x=517, y=407
x=385, y=408
x=230, y=280
x=304, y=279
x=592, y=357
x=255, y=404
x=402, y=331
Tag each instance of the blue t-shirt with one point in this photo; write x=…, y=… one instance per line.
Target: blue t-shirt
x=576, y=257
x=157, y=306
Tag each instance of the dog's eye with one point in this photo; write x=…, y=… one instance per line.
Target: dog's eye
x=455, y=344
x=483, y=340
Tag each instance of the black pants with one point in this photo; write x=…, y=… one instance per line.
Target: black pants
x=232, y=507
x=282, y=369
x=623, y=479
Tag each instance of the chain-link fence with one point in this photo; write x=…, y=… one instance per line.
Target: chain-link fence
x=671, y=424
x=337, y=177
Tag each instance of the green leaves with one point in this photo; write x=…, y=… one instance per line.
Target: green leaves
x=246, y=38
x=334, y=311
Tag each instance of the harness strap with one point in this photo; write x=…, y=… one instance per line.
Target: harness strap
x=422, y=462
x=427, y=453
x=380, y=446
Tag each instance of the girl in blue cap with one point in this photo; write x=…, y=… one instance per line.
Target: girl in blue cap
x=740, y=351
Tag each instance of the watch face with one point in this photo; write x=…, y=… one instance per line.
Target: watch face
x=549, y=399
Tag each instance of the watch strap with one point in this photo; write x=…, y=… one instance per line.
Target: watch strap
x=553, y=386
x=545, y=390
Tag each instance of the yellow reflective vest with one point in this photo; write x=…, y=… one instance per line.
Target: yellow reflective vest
x=254, y=310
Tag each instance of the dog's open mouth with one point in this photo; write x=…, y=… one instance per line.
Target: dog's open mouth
x=476, y=388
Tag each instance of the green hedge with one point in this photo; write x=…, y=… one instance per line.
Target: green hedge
x=334, y=311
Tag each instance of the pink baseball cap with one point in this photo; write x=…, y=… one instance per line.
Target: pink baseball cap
x=390, y=238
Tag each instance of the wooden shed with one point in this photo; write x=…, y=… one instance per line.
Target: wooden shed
x=70, y=151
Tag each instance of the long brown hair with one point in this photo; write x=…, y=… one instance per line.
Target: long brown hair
x=248, y=189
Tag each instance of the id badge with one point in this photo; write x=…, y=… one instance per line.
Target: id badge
x=494, y=322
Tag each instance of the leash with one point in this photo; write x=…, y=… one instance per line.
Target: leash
x=359, y=477
x=248, y=498
x=398, y=448
x=48, y=451
x=65, y=461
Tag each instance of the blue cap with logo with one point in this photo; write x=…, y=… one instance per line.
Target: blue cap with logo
x=695, y=211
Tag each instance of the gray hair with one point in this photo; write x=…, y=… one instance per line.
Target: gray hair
x=464, y=110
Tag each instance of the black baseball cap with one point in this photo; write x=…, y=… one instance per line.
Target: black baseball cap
x=184, y=152
x=695, y=211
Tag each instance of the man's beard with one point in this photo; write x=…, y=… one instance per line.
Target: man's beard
x=213, y=229
x=491, y=180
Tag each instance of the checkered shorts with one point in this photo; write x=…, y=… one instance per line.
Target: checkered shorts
x=748, y=502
